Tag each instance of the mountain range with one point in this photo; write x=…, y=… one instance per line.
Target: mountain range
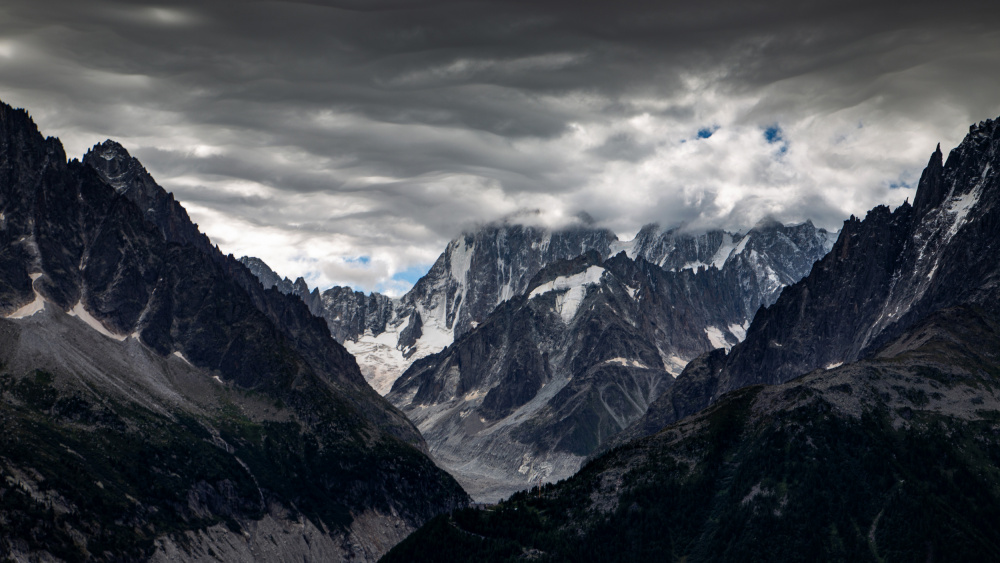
x=857, y=421
x=486, y=267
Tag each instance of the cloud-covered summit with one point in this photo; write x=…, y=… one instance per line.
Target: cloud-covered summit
x=347, y=141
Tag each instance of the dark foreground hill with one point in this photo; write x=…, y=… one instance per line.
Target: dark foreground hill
x=157, y=402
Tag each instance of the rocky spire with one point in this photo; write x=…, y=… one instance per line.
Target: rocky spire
x=930, y=190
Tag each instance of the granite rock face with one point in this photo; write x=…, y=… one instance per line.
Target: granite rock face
x=129, y=178
x=150, y=386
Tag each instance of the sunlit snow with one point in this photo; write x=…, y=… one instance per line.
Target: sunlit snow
x=575, y=288
x=716, y=338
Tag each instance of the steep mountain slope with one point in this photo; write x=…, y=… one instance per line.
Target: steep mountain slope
x=895, y=458
x=550, y=375
x=884, y=274
x=157, y=401
x=482, y=269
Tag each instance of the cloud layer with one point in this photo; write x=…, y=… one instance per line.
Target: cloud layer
x=347, y=141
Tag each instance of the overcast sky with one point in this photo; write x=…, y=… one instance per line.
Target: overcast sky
x=348, y=141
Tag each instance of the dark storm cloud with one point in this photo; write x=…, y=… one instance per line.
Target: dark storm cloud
x=380, y=128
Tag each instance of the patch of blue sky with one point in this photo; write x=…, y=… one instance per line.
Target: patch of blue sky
x=707, y=132
x=775, y=136
x=411, y=274
x=399, y=283
x=310, y=274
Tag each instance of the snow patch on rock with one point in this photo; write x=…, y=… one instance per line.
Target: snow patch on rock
x=574, y=288
x=716, y=337
x=741, y=246
x=626, y=363
x=739, y=331
x=178, y=354
x=591, y=276
x=960, y=206
x=380, y=361
x=722, y=254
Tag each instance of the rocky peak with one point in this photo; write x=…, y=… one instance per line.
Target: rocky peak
x=930, y=189
x=484, y=268
x=268, y=278
x=129, y=177
x=677, y=248
x=116, y=166
x=769, y=223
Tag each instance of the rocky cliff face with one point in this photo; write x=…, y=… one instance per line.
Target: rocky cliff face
x=268, y=278
x=153, y=390
x=884, y=274
x=480, y=270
